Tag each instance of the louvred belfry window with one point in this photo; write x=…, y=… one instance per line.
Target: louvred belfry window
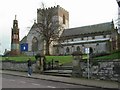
x=63, y=19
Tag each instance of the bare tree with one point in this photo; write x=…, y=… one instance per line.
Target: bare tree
x=49, y=26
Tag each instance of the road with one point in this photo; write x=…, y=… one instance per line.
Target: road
x=10, y=81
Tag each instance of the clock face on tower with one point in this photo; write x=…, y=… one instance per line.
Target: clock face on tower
x=15, y=36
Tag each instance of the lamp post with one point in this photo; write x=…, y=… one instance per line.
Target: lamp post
x=87, y=51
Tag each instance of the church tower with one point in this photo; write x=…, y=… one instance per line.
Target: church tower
x=15, y=49
x=60, y=16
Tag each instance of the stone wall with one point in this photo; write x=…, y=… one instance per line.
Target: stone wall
x=17, y=66
x=102, y=69
x=99, y=69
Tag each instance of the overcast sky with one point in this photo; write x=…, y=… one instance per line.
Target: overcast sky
x=81, y=13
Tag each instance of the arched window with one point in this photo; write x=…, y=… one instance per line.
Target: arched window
x=57, y=50
x=34, y=44
x=78, y=48
x=91, y=50
x=63, y=19
x=97, y=44
x=67, y=50
x=104, y=36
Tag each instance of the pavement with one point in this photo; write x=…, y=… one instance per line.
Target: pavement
x=78, y=81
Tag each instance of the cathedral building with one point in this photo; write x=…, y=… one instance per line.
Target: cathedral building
x=100, y=38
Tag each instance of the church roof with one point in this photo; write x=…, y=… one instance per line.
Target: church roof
x=24, y=40
x=34, y=25
x=102, y=27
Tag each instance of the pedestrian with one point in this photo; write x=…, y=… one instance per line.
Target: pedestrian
x=29, y=67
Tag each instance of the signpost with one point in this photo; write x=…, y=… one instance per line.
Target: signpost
x=87, y=51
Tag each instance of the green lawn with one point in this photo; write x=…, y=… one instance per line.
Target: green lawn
x=115, y=55
x=18, y=59
x=61, y=59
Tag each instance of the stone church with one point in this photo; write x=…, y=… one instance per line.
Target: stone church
x=102, y=37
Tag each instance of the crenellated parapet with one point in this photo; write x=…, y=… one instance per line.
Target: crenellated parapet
x=53, y=8
x=60, y=14
x=57, y=9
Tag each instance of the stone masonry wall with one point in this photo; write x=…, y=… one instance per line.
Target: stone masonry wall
x=105, y=70
x=17, y=66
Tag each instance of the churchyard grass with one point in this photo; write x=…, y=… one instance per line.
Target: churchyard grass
x=18, y=58
x=114, y=55
x=61, y=59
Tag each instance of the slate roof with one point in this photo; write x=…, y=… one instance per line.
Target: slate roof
x=34, y=25
x=24, y=40
x=102, y=27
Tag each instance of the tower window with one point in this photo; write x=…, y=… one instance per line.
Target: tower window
x=63, y=19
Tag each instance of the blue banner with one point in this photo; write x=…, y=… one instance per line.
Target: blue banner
x=24, y=47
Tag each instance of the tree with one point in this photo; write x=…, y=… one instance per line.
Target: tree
x=49, y=26
x=118, y=1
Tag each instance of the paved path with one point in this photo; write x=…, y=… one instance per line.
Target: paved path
x=70, y=80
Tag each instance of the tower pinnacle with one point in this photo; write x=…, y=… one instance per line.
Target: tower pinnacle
x=15, y=17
